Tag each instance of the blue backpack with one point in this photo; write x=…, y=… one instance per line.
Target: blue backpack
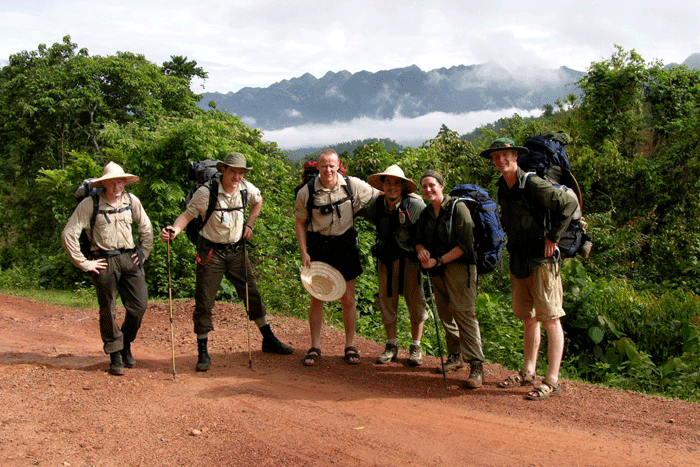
x=489, y=236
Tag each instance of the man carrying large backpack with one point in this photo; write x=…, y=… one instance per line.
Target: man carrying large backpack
x=534, y=215
x=395, y=215
x=115, y=260
x=445, y=247
x=221, y=252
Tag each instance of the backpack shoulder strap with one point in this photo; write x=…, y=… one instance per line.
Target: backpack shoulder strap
x=311, y=184
x=244, y=194
x=95, y=208
x=379, y=210
x=213, y=187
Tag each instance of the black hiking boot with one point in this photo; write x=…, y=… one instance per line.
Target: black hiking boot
x=271, y=344
x=204, y=361
x=115, y=365
x=476, y=374
x=129, y=360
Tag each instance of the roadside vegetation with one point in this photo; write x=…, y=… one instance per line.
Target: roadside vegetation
x=633, y=310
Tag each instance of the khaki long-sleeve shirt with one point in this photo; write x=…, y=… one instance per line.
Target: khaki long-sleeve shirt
x=111, y=231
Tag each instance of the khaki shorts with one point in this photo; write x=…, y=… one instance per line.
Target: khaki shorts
x=539, y=296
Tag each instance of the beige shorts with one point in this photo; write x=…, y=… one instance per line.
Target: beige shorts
x=539, y=296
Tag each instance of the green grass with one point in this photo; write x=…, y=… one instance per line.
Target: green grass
x=81, y=298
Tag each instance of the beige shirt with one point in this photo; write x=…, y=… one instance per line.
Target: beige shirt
x=340, y=220
x=113, y=235
x=223, y=226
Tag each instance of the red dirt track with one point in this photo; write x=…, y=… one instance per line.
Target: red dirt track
x=60, y=407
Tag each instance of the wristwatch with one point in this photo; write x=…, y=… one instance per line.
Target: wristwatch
x=440, y=262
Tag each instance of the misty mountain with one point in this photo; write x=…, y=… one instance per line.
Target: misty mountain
x=401, y=92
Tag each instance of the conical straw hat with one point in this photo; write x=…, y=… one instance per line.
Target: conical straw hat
x=375, y=180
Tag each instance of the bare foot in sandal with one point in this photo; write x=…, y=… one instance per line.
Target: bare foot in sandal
x=352, y=356
x=543, y=391
x=517, y=380
x=312, y=356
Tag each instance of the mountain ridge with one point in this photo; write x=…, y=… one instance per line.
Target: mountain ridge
x=406, y=92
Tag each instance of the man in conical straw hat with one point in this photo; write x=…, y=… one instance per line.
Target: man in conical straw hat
x=325, y=230
x=395, y=215
x=115, y=260
x=221, y=252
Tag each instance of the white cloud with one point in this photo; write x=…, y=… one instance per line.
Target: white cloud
x=405, y=131
x=260, y=42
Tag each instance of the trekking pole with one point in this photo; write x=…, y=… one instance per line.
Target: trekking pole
x=247, y=309
x=170, y=305
x=437, y=330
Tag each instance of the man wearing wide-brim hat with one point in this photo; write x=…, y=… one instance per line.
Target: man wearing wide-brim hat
x=115, y=260
x=394, y=214
x=537, y=293
x=221, y=252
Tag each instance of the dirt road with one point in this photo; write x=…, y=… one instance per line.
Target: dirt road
x=60, y=407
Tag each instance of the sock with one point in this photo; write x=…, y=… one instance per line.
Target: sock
x=262, y=321
x=416, y=342
x=392, y=341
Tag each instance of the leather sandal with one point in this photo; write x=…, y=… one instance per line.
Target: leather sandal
x=312, y=356
x=517, y=380
x=543, y=391
x=352, y=356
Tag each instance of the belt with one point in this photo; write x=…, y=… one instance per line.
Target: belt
x=110, y=253
x=228, y=246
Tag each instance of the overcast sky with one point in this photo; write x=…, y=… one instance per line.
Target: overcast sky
x=259, y=42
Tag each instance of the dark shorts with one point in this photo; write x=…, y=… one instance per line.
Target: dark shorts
x=340, y=252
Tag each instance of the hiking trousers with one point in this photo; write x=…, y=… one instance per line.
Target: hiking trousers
x=408, y=282
x=455, y=297
x=231, y=263
x=125, y=278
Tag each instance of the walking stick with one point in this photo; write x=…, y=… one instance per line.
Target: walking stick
x=437, y=330
x=170, y=305
x=247, y=309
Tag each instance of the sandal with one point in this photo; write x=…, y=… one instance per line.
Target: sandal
x=517, y=380
x=311, y=357
x=352, y=356
x=543, y=391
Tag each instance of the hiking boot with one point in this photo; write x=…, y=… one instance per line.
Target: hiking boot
x=204, y=361
x=129, y=360
x=271, y=344
x=115, y=365
x=454, y=363
x=415, y=355
x=391, y=351
x=476, y=374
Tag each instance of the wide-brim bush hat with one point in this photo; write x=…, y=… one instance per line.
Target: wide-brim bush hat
x=503, y=144
x=113, y=171
x=323, y=281
x=375, y=180
x=235, y=159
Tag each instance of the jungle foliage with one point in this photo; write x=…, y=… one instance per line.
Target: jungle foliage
x=633, y=307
